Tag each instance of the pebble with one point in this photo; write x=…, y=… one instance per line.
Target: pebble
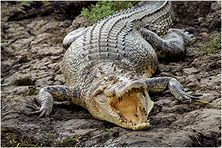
x=216, y=6
x=191, y=29
x=163, y=68
x=21, y=59
x=204, y=34
x=201, y=19
x=204, y=30
x=190, y=70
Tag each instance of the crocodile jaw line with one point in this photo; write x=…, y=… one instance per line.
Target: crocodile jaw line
x=125, y=103
x=131, y=106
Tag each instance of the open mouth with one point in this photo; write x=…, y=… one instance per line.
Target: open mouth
x=131, y=107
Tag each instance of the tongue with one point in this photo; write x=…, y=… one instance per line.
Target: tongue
x=130, y=108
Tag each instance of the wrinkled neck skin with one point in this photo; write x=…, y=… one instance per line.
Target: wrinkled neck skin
x=119, y=97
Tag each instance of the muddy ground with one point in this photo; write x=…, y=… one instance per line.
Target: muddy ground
x=31, y=52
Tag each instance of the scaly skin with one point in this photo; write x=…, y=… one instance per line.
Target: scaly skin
x=108, y=66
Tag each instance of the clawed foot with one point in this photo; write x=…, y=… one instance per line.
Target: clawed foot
x=176, y=88
x=188, y=38
x=184, y=97
x=45, y=100
x=42, y=111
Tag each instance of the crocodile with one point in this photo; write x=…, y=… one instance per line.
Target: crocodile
x=108, y=66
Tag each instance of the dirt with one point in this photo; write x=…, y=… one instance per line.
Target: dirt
x=31, y=50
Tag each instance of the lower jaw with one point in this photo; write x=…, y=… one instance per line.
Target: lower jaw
x=140, y=126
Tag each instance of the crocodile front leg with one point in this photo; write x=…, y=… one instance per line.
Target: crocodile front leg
x=159, y=84
x=46, y=96
x=170, y=45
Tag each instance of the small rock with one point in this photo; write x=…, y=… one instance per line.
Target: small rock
x=213, y=65
x=21, y=59
x=59, y=78
x=191, y=78
x=58, y=83
x=175, y=68
x=205, y=24
x=52, y=66
x=178, y=73
x=44, y=81
x=201, y=19
x=215, y=23
x=216, y=6
x=204, y=30
x=213, y=82
x=189, y=71
x=204, y=35
x=192, y=84
x=191, y=29
x=2, y=80
x=163, y=68
x=166, y=74
x=192, y=81
x=21, y=90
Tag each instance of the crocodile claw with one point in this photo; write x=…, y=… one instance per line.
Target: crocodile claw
x=46, y=102
x=184, y=97
x=187, y=37
x=43, y=111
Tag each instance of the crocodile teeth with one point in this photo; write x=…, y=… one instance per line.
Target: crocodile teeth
x=120, y=98
x=142, y=89
x=129, y=92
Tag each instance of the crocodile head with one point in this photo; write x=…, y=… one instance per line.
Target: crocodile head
x=120, y=100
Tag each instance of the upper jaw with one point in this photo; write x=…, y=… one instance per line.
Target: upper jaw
x=144, y=103
x=120, y=91
x=108, y=92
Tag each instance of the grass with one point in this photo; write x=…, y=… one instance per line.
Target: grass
x=6, y=43
x=212, y=46
x=32, y=91
x=13, y=138
x=24, y=4
x=105, y=8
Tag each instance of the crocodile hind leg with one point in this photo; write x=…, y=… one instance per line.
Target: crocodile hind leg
x=170, y=45
x=46, y=96
x=159, y=84
x=72, y=36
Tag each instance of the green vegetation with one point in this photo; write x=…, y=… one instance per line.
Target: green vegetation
x=69, y=142
x=6, y=43
x=105, y=8
x=12, y=138
x=213, y=46
x=24, y=4
x=176, y=19
x=32, y=91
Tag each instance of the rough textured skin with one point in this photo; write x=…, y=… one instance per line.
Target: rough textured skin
x=108, y=66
